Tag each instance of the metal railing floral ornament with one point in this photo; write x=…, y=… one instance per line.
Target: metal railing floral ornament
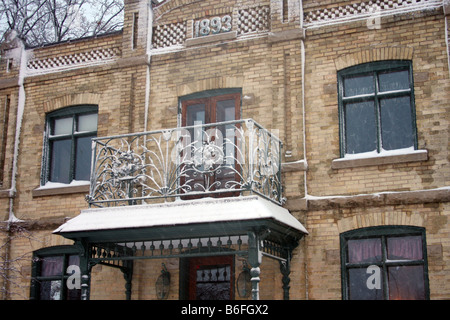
x=205, y=160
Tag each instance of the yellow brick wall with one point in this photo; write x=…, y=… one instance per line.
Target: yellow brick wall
x=3, y=254
x=49, y=94
x=119, y=92
x=22, y=244
x=328, y=51
x=269, y=74
x=323, y=251
x=420, y=38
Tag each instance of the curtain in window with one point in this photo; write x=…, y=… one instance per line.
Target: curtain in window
x=405, y=282
x=52, y=266
x=398, y=248
x=404, y=248
x=364, y=250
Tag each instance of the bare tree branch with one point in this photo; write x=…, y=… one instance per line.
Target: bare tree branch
x=11, y=275
x=43, y=21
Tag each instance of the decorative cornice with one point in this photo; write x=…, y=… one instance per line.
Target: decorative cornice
x=365, y=10
x=72, y=61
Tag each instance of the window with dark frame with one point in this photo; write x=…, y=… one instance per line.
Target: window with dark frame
x=376, y=107
x=384, y=263
x=51, y=274
x=67, y=154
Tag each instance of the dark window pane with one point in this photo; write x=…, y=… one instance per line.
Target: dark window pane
x=401, y=248
x=406, y=283
x=396, y=123
x=360, y=127
x=83, y=158
x=358, y=85
x=195, y=114
x=225, y=111
x=359, y=288
x=397, y=80
x=60, y=161
x=73, y=294
x=50, y=290
x=52, y=266
x=213, y=283
x=74, y=260
x=364, y=250
x=213, y=291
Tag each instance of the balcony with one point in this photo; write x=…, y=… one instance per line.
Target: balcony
x=224, y=159
x=231, y=173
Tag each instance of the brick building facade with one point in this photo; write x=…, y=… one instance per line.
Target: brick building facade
x=356, y=91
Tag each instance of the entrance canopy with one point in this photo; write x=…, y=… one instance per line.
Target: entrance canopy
x=247, y=225
x=186, y=219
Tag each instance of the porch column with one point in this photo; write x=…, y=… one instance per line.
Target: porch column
x=285, y=268
x=128, y=276
x=85, y=270
x=85, y=286
x=254, y=258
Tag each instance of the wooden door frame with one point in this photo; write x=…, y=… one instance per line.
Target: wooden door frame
x=210, y=106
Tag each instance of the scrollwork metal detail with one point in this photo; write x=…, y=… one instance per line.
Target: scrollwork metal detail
x=188, y=161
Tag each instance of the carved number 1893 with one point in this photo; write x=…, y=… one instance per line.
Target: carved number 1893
x=212, y=26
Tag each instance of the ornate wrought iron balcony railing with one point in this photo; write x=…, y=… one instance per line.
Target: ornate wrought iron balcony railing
x=214, y=160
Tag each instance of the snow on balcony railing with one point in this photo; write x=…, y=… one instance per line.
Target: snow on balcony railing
x=220, y=159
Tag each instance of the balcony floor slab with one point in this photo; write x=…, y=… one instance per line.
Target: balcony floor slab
x=183, y=219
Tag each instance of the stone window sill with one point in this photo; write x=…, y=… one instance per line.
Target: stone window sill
x=380, y=159
x=59, y=189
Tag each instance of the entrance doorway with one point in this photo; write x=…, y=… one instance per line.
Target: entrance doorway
x=211, y=278
x=212, y=170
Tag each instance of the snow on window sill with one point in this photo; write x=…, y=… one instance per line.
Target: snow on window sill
x=55, y=188
x=384, y=157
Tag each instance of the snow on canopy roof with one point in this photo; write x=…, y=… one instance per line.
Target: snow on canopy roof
x=181, y=212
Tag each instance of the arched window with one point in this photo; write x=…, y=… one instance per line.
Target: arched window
x=52, y=271
x=67, y=145
x=388, y=262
